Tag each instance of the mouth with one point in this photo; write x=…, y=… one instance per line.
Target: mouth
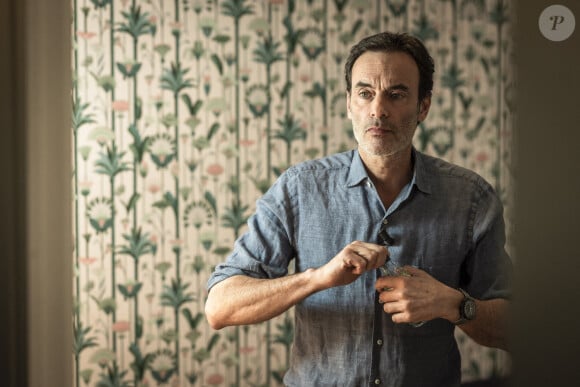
x=378, y=130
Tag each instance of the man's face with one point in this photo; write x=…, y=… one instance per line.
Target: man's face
x=384, y=102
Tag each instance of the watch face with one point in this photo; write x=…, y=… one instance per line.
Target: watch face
x=469, y=309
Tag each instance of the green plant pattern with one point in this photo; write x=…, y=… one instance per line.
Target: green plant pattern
x=185, y=111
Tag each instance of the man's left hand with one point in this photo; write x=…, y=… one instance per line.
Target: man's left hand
x=417, y=297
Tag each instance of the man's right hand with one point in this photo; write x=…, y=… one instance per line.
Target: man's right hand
x=352, y=261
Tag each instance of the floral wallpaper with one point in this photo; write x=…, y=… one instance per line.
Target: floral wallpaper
x=186, y=111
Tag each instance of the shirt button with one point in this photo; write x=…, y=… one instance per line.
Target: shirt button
x=379, y=342
x=377, y=381
x=385, y=221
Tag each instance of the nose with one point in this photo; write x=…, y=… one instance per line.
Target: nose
x=379, y=107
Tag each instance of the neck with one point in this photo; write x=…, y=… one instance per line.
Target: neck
x=389, y=174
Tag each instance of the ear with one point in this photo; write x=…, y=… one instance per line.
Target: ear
x=348, y=105
x=424, y=106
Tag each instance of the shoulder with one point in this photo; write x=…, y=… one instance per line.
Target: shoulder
x=334, y=167
x=335, y=162
x=441, y=172
x=313, y=179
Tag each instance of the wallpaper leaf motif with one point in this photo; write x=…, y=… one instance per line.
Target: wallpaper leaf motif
x=184, y=112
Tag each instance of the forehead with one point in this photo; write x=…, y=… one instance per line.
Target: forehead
x=381, y=69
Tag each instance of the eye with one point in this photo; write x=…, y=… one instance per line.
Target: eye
x=364, y=94
x=396, y=95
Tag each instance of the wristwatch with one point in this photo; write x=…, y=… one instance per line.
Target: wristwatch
x=467, y=308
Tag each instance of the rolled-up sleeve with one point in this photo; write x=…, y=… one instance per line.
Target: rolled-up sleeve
x=265, y=249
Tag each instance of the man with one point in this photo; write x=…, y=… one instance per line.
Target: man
x=341, y=218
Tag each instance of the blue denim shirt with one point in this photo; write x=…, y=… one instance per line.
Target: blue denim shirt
x=447, y=221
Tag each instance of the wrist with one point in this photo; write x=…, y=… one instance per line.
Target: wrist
x=467, y=308
x=454, y=300
x=314, y=280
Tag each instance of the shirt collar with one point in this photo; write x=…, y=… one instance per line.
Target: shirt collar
x=358, y=172
x=421, y=178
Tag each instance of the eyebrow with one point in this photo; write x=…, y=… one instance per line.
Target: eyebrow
x=400, y=86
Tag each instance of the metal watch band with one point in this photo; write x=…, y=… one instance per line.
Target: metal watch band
x=462, y=318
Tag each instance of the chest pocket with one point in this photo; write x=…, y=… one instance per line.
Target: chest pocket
x=447, y=273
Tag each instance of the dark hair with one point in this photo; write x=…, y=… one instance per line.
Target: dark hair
x=395, y=42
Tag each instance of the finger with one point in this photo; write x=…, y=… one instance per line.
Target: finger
x=367, y=246
x=376, y=255
x=382, y=257
x=399, y=311
x=355, y=262
x=395, y=311
x=389, y=282
x=391, y=296
x=386, y=296
x=399, y=318
x=407, y=318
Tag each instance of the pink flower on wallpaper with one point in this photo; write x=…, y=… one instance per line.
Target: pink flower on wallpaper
x=482, y=157
x=247, y=143
x=102, y=134
x=120, y=106
x=176, y=25
x=87, y=260
x=215, y=169
x=121, y=326
x=143, y=168
x=129, y=287
x=176, y=243
x=245, y=73
x=85, y=34
x=85, y=187
x=247, y=350
x=174, y=168
x=154, y=188
x=215, y=379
